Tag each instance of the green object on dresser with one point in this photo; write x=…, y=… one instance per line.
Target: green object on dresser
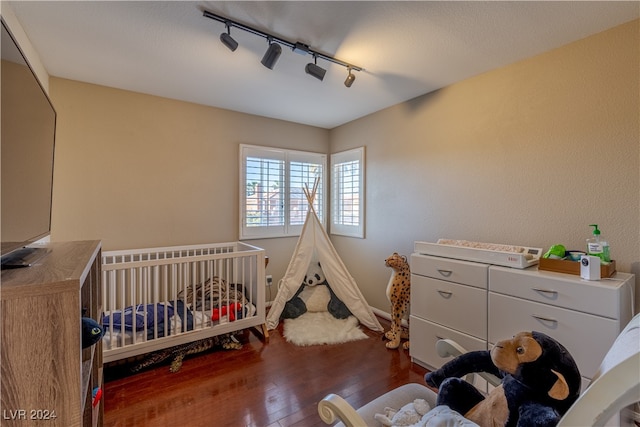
x=555, y=252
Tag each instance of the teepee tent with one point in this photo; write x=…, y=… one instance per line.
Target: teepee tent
x=314, y=239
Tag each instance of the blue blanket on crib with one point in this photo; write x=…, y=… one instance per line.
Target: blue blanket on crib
x=141, y=315
x=153, y=316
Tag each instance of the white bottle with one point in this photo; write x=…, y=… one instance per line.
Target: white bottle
x=597, y=246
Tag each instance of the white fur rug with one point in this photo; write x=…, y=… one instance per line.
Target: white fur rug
x=322, y=328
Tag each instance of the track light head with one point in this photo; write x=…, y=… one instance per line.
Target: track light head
x=350, y=78
x=227, y=40
x=271, y=55
x=314, y=70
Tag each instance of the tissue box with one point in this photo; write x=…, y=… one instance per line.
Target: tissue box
x=573, y=267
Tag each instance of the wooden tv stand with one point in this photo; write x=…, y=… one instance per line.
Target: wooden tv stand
x=47, y=377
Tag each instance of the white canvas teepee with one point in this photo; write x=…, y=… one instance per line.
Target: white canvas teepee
x=314, y=239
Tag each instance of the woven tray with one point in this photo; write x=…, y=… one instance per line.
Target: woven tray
x=573, y=267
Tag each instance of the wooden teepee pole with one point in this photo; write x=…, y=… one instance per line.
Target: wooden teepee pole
x=311, y=195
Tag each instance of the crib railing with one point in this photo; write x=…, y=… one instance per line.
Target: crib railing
x=160, y=297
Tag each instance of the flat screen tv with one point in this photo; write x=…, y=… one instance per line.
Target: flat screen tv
x=27, y=149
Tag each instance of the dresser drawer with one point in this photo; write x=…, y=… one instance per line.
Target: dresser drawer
x=423, y=336
x=468, y=273
x=460, y=307
x=587, y=337
x=562, y=290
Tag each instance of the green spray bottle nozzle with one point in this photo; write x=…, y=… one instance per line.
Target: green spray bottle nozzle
x=595, y=230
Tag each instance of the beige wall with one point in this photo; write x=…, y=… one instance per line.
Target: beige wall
x=529, y=154
x=141, y=171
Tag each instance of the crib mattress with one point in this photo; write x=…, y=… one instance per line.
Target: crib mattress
x=120, y=336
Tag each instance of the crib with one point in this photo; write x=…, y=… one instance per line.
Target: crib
x=162, y=297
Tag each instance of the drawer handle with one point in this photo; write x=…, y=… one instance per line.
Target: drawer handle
x=553, y=323
x=550, y=293
x=445, y=294
x=445, y=273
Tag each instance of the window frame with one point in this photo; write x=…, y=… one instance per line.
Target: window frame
x=337, y=159
x=287, y=229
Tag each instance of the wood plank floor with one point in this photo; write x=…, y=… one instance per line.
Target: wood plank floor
x=272, y=384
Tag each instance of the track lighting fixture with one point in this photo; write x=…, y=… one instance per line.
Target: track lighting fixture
x=227, y=40
x=314, y=70
x=274, y=50
x=271, y=55
x=350, y=78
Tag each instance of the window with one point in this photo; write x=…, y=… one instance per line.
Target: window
x=347, y=196
x=272, y=200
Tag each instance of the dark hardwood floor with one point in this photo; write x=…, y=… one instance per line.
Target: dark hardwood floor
x=272, y=384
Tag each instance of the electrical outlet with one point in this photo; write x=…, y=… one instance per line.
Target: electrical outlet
x=269, y=280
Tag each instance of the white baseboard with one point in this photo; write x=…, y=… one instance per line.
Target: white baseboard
x=387, y=316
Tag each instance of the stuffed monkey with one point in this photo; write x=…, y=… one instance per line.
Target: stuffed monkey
x=540, y=381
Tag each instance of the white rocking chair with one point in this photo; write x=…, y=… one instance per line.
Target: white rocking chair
x=615, y=385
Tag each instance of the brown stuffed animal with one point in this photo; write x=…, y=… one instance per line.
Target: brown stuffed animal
x=540, y=381
x=399, y=294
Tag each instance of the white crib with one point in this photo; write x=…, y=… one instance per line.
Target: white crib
x=161, y=297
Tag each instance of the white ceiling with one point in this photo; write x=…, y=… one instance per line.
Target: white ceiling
x=406, y=48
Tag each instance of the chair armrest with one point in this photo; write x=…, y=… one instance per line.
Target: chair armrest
x=334, y=407
x=446, y=347
x=615, y=385
x=607, y=395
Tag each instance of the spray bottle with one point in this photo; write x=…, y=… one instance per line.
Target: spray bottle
x=597, y=246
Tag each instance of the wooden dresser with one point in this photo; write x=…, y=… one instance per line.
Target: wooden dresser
x=47, y=377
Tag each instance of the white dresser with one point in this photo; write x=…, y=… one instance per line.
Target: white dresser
x=448, y=300
x=479, y=304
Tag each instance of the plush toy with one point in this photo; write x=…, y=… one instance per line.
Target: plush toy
x=91, y=332
x=540, y=381
x=229, y=310
x=315, y=294
x=409, y=415
x=399, y=294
